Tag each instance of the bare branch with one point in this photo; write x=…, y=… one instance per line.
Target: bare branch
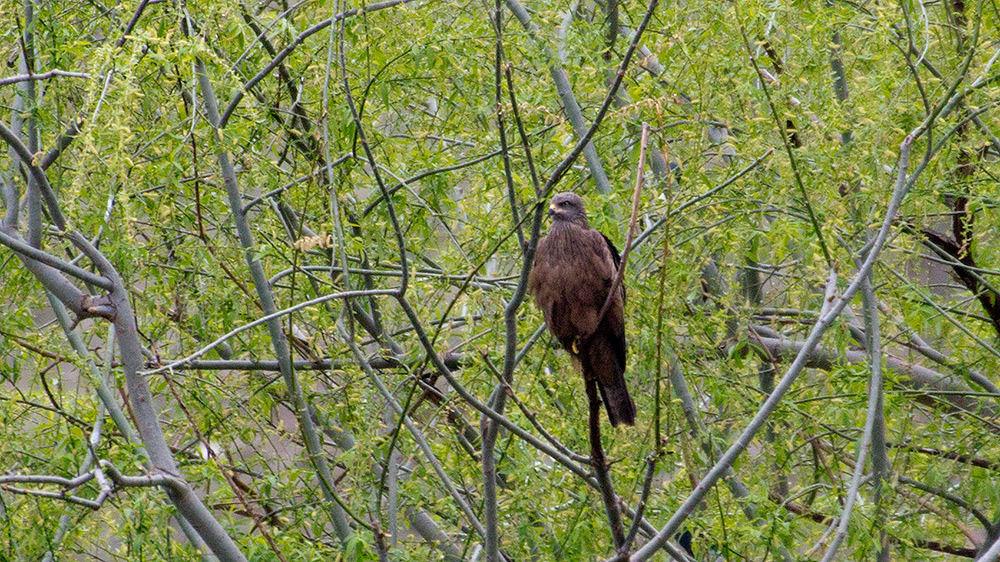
x=36, y=172
x=874, y=417
x=636, y=193
x=42, y=76
x=23, y=249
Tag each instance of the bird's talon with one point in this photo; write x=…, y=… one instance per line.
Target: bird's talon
x=575, y=346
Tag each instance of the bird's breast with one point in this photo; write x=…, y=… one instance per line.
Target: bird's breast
x=572, y=277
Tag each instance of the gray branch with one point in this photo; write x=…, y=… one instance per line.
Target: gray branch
x=873, y=417
x=42, y=76
x=26, y=251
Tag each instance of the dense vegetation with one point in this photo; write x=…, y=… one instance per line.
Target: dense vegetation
x=239, y=240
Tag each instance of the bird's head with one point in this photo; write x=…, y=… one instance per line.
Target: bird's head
x=568, y=207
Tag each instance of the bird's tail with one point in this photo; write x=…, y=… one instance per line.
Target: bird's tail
x=600, y=363
x=621, y=408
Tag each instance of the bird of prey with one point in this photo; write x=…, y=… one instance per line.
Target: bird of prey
x=573, y=271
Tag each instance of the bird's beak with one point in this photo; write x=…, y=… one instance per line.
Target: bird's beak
x=552, y=210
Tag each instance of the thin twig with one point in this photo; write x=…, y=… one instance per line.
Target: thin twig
x=647, y=486
x=620, y=274
x=597, y=457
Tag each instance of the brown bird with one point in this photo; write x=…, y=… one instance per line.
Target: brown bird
x=573, y=271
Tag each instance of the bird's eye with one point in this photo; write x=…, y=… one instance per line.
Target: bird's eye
x=563, y=203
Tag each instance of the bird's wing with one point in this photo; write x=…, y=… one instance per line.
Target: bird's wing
x=616, y=258
x=605, y=355
x=612, y=326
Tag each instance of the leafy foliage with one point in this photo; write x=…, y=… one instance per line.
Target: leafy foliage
x=738, y=264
